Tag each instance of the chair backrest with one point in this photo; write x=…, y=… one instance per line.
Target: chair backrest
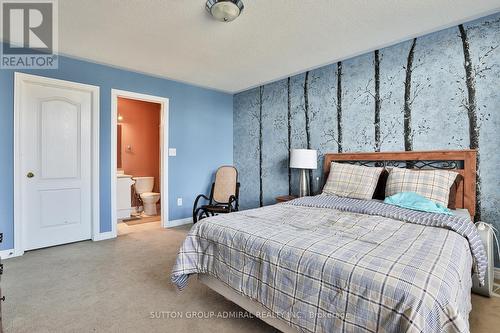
x=226, y=179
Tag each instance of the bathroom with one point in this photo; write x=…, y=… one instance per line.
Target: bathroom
x=138, y=190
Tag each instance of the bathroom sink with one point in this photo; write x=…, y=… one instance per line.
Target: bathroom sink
x=123, y=176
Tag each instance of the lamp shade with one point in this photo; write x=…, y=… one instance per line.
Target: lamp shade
x=303, y=159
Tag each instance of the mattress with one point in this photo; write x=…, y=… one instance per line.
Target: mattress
x=333, y=264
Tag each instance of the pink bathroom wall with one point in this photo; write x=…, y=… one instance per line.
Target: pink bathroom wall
x=141, y=131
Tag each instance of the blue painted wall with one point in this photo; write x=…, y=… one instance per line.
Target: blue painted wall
x=199, y=120
x=439, y=101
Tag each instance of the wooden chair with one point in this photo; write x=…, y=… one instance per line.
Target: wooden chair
x=223, y=197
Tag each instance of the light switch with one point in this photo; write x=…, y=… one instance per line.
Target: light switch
x=179, y=201
x=172, y=152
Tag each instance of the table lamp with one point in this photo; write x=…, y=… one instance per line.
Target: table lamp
x=304, y=159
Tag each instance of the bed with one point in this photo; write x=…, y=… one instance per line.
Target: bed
x=329, y=263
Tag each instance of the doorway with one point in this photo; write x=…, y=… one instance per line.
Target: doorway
x=56, y=162
x=139, y=166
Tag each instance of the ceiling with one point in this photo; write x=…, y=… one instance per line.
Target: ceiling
x=177, y=39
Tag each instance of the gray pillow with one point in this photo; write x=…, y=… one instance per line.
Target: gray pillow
x=352, y=181
x=433, y=184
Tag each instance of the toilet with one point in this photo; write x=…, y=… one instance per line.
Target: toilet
x=144, y=187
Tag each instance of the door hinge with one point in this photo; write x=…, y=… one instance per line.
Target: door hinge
x=1, y=269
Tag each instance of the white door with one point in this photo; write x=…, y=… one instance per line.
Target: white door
x=55, y=163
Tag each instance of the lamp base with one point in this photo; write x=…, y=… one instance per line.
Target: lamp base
x=304, y=184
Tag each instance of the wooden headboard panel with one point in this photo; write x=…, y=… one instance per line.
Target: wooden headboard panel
x=461, y=161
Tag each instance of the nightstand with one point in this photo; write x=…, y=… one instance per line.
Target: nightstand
x=285, y=198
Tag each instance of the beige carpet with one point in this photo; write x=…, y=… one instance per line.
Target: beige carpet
x=114, y=285
x=143, y=220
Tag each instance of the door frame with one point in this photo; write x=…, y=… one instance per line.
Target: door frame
x=164, y=103
x=19, y=80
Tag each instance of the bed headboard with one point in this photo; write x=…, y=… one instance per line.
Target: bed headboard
x=461, y=161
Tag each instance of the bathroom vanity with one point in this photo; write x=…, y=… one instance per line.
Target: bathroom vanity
x=123, y=195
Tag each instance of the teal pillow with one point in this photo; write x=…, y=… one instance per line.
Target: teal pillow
x=415, y=201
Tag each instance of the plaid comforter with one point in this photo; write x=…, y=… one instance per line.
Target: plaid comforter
x=330, y=264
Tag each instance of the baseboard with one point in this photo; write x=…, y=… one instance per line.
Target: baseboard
x=103, y=236
x=497, y=273
x=11, y=253
x=6, y=254
x=176, y=223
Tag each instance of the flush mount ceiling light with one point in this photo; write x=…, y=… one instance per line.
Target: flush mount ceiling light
x=224, y=10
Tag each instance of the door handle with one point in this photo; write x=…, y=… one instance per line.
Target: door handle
x=30, y=175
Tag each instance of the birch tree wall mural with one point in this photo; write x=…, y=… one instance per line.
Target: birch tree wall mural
x=438, y=91
x=261, y=198
x=470, y=106
x=376, y=122
x=408, y=132
x=333, y=133
x=339, y=106
x=289, y=133
x=307, y=119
